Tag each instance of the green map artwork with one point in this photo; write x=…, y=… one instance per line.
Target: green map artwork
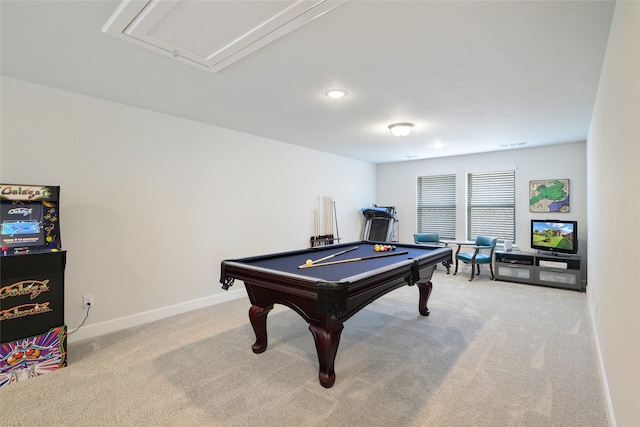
x=551, y=195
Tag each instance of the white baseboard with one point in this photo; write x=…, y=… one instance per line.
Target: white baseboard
x=603, y=372
x=91, y=331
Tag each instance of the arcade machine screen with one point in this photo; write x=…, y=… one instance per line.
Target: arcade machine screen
x=21, y=225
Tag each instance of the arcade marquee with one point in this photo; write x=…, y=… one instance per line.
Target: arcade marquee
x=33, y=335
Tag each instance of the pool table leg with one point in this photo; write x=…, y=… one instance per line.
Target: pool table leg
x=327, y=341
x=425, y=291
x=258, y=318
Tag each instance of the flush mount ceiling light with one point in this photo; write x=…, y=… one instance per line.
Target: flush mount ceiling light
x=336, y=93
x=401, y=129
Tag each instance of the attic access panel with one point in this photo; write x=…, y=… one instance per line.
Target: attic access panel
x=211, y=34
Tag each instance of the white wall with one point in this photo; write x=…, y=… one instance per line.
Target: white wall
x=397, y=185
x=150, y=204
x=613, y=159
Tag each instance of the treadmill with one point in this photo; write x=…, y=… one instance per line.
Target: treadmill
x=380, y=223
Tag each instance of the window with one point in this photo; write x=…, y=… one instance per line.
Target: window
x=491, y=205
x=436, y=206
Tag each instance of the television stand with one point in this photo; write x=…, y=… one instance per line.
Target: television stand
x=553, y=270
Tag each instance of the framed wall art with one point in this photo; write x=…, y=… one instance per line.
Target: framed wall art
x=549, y=195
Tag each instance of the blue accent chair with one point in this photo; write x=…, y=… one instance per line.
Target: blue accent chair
x=428, y=238
x=475, y=258
x=432, y=239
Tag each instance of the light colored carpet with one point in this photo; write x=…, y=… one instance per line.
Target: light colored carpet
x=490, y=354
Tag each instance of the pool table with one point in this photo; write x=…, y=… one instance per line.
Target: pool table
x=327, y=295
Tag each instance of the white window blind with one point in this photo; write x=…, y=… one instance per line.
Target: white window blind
x=436, y=205
x=491, y=205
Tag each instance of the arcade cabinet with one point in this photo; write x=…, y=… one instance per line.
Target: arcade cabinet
x=33, y=335
x=381, y=223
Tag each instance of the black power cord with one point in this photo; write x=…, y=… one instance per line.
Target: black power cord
x=83, y=320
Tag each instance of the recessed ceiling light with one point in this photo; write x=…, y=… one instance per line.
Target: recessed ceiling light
x=336, y=93
x=438, y=144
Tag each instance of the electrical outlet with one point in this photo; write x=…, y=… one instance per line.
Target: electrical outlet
x=87, y=301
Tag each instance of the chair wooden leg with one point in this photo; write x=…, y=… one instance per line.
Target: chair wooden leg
x=473, y=270
x=492, y=275
x=456, y=270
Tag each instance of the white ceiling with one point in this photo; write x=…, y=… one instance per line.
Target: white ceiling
x=474, y=76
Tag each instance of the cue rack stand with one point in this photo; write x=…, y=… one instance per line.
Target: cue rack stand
x=325, y=220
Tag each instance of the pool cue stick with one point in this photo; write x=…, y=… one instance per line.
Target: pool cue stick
x=324, y=213
x=335, y=215
x=329, y=218
x=354, y=259
x=318, y=218
x=331, y=256
x=315, y=226
x=331, y=215
x=324, y=221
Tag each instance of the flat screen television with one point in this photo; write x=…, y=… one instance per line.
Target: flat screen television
x=554, y=236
